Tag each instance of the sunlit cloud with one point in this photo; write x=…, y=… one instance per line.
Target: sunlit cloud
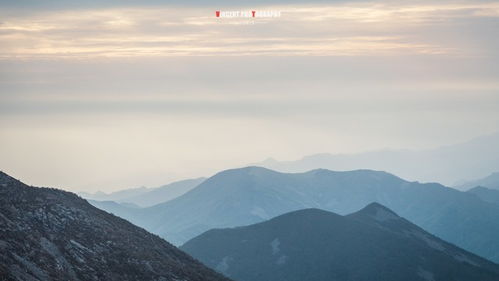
x=335, y=30
x=399, y=13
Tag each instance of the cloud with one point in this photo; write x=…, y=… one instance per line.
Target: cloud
x=327, y=30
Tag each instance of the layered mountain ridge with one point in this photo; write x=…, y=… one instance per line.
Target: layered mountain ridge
x=145, y=197
x=249, y=195
x=311, y=244
x=449, y=164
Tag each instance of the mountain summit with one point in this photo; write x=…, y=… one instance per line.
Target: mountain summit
x=374, y=244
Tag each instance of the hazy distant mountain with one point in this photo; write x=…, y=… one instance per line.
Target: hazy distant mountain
x=250, y=195
x=164, y=193
x=49, y=234
x=145, y=197
x=447, y=165
x=373, y=244
x=114, y=196
x=124, y=209
x=491, y=181
x=486, y=194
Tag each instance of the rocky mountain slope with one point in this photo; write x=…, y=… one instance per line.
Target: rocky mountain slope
x=49, y=234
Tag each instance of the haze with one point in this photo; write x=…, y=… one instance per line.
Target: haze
x=143, y=94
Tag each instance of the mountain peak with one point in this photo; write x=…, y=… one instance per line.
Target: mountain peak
x=250, y=170
x=313, y=244
x=377, y=212
x=308, y=213
x=6, y=179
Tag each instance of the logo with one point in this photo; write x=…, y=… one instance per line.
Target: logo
x=248, y=14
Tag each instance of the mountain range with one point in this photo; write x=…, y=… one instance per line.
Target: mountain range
x=145, y=197
x=373, y=244
x=450, y=165
x=49, y=234
x=491, y=181
x=250, y=195
x=486, y=194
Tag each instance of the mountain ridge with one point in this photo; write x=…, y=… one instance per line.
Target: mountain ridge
x=249, y=195
x=448, y=164
x=51, y=234
x=313, y=244
x=491, y=181
x=146, y=197
x=486, y=194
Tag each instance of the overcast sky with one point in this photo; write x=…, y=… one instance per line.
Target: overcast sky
x=111, y=96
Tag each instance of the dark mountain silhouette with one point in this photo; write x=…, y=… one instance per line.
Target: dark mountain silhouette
x=373, y=244
x=49, y=234
x=249, y=195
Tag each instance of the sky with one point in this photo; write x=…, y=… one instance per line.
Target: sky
x=106, y=95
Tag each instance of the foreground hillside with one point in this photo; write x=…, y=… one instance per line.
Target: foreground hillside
x=373, y=244
x=48, y=234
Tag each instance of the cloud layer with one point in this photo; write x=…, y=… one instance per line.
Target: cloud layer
x=350, y=29
x=119, y=96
